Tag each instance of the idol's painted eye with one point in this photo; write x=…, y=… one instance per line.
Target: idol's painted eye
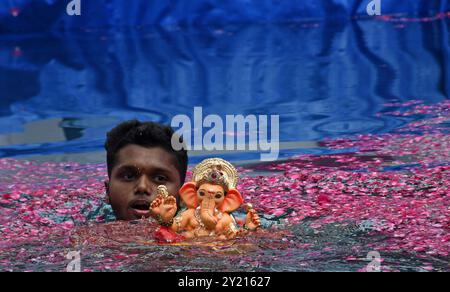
x=218, y=195
x=201, y=193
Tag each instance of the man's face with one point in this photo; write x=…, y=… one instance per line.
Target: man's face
x=137, y=173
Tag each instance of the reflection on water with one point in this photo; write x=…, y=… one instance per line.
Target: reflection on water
x=323, y=80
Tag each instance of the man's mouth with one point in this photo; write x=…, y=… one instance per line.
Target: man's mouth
x=140, y=208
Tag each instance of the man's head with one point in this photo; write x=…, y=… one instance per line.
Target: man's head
x=140, y=157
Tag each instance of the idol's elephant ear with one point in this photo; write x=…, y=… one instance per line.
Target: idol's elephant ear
x=233, y=200
x=188, y=194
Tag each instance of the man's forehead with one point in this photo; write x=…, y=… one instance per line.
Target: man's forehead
x=153, y=157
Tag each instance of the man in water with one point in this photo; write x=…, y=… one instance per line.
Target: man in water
x=140, y=157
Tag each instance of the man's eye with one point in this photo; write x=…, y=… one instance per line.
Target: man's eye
x=161, y=178
x=129, y=175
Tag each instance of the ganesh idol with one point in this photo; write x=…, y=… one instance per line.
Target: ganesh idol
x=210, y=199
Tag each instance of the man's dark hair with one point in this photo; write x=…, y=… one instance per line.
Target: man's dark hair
x=145, y=134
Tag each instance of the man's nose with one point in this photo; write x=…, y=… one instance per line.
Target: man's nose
x=143, y=187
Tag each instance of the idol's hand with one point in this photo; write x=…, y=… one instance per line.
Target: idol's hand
x=164, y=206
x=252, y=220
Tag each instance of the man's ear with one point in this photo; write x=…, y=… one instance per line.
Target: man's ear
x=188, y=193
x=107, y=199
x=233, y=200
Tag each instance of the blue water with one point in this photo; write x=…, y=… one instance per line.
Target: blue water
x=60, y=93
